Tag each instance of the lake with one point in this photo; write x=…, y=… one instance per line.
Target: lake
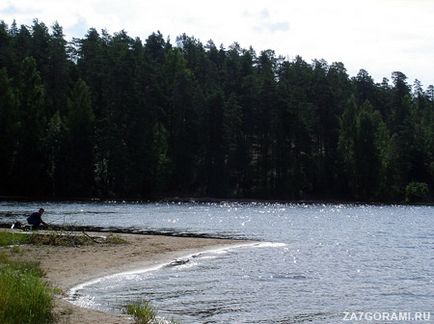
x=315, y=262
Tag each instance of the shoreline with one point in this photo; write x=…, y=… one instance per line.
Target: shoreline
x=200, y=199
x=69, y=267
x=131, y=230
x=181, y=257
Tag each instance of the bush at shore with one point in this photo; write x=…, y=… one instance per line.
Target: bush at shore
x=12, y=238
x=143, y=313
x=24, y=298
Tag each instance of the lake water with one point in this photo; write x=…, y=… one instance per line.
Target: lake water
x=315, y=262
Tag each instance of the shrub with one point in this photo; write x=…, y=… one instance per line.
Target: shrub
x=24, y=298
x=143, y=313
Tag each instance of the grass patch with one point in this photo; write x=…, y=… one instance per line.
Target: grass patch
x=24, y=298
x=143, y=313
x=115, y=239
x=57, y=238
x=61, y=239
x=28, y=267
x=11, y=238
x=16, y=250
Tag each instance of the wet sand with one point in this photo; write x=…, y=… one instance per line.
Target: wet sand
x=66, y=267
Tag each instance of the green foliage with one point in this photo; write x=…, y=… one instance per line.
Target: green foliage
x=112, y=116
x=143, y=313
x=11, y=238
x=56, y=238
x=416, y=192
x=53, y=143
x=76, y=174
x=361, y=140
x=33, y=120
x=24, y=297
x=9, y=128
x=30, y=267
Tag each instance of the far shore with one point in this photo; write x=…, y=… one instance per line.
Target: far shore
x=66, y=267
x=203, y=199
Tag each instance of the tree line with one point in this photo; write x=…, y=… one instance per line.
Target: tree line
x=112, y=116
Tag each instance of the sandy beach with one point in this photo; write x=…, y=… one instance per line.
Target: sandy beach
x=66, y=267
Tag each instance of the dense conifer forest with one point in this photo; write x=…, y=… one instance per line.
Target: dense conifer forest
x=112, y=116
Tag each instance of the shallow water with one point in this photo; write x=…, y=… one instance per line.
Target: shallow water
x=323, y=260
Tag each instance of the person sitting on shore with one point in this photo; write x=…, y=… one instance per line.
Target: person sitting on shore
x=35, y=219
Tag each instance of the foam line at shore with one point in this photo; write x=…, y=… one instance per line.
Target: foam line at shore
x=74, y=298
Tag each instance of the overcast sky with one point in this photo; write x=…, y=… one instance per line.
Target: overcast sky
x=380, y=36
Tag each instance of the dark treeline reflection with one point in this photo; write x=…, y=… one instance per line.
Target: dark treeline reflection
x=112, y=116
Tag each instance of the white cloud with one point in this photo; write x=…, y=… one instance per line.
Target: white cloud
x=380, y=36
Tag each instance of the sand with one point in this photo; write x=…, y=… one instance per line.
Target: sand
x=66, y=267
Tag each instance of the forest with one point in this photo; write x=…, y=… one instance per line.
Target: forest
x=113, y=117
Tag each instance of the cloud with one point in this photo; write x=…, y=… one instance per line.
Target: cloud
x=10, y=10
x=378, y=35
x=264, y=22
x=264, y=14
x=272, y=27
x=80, y=27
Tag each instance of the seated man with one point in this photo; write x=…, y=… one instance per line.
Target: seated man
x=35, y=219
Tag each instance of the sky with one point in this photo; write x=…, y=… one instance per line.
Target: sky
x=380, y=36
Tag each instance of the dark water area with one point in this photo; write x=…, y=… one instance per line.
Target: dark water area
x=314, y=263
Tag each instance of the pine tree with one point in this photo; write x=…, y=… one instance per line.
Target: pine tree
x=78, y=151
x=9, y=130
x=29, y=167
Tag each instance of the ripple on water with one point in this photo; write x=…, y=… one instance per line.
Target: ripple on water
x=314, y=261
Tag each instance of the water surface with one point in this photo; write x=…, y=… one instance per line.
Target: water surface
x=324, y=260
